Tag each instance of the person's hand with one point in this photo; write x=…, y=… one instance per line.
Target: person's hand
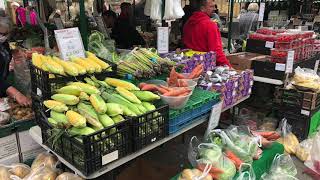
x=22, y=100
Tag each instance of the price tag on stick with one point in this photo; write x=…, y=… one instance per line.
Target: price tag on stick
x=69, y=42
x=163, y=40
x=316, y=66
x=289, y=64
x=214, y=117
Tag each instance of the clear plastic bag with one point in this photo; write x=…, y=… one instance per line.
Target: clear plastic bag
x=228, y=168
x=173, y=10
x=147, y=8
x=19, y=170
x=284, y=128
x=45, y=159
x=68, y=176
x=156, y=10
x=42, y=172
x=303, y=75
x=22, y=76
x=246, y=172
x=282, y=168
x=288, y=139
x=314, y=162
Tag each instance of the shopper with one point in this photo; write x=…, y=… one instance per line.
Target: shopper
x=124, y=32
x=201, y=34
x=20, y=14
x=215, y=16
x=249, y=20
x=109, y=18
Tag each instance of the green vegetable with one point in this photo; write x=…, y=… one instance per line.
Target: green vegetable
x=117, y=119
x=106, y=120
x=228, y=168
x=148, y=106
x=114, y=109
x=81, y=131
x=146, y=95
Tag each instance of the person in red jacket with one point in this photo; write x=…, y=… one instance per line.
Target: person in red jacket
x=202, y=34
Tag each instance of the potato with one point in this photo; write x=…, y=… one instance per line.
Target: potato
x=44, y=158
x=42, y=173
x=20, y=170
x=68, y=176
x=4, y=173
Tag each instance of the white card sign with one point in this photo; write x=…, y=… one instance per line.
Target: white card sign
x=269, y=44
x=214, y=116
x=289, y=64
x=163, y=40
x=280, y=67
x=69, y=42
x=261, y=11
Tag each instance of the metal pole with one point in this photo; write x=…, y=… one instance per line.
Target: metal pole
x=230, y=24
x=83, y=24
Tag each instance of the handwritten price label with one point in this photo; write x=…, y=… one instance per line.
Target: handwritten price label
x=69, y=43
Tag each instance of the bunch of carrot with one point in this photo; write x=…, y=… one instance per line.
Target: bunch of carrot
x=179, y=80
x=214, y=171
x=269, y=135
x=234, y=158
x=165, y=91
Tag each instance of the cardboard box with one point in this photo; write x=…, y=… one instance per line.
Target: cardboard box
x=243, y=60
x=8, y=146
x=26, y=142
x=9, y=160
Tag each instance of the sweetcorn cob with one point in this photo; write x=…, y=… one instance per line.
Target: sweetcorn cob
x=75, y=119
x=128, y=95
x=98, y=103
x=81, y=69
x=71, y=90
x=89, y=68
x=120, y=83
x=66, y=99
x=36, y=60
x=93, y=63
x=84, y=96
x=53, y=67
x=86, y=88
x=67, y=67
x=55, y=105
x=94, y=58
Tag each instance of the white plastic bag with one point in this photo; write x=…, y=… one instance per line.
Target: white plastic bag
x=173, y=10
x=246, y=172
x=314, y=160
x=147, y=8
x=156, y=9
x=282, y=168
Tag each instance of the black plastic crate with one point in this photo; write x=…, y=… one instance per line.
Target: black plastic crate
x=44, y=86
x=88, y=153
x=302, y=100
x=150, y=127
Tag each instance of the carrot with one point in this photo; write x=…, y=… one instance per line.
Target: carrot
x=173, y=77
x=185, y=94
x=162, y=90
x=149, y=87
x=165, y=87
x=274, y=136
x=141, y=85
x=176, y=92
x=180, y=76
x=182, y=83
x=195, y=71
x=213, y=170
x=237, y=161
x=265, y=134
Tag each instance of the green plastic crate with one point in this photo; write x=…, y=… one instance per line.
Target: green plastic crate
x=24, y=125
x=198, y=99
x=7, y=130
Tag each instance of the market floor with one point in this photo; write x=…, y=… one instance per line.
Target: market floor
x=166, y=161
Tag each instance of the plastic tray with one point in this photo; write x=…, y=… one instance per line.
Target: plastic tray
x=88, y=153
x=188, y=117
x=200, y=103
x=150, y=127
x=44, y=86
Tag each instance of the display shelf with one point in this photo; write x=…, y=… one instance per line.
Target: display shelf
x=240, y=101
x=35, y=133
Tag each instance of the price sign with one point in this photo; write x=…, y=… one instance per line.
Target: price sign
x=289, y=64
x=69, y=43
x=261, y=11
x=214, y=116
x=280, y=67
x=316, y=66
x=269, y=44
x=163, y=40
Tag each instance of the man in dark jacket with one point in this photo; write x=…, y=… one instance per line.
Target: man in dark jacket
x=202, y=34
x=124, y=32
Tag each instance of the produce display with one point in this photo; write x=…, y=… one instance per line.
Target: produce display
x=84, y=108
x=187, y=60
x=42, y=168
x=178, y=88
x=76, y=66
x=232, y=85
x=305, y=79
